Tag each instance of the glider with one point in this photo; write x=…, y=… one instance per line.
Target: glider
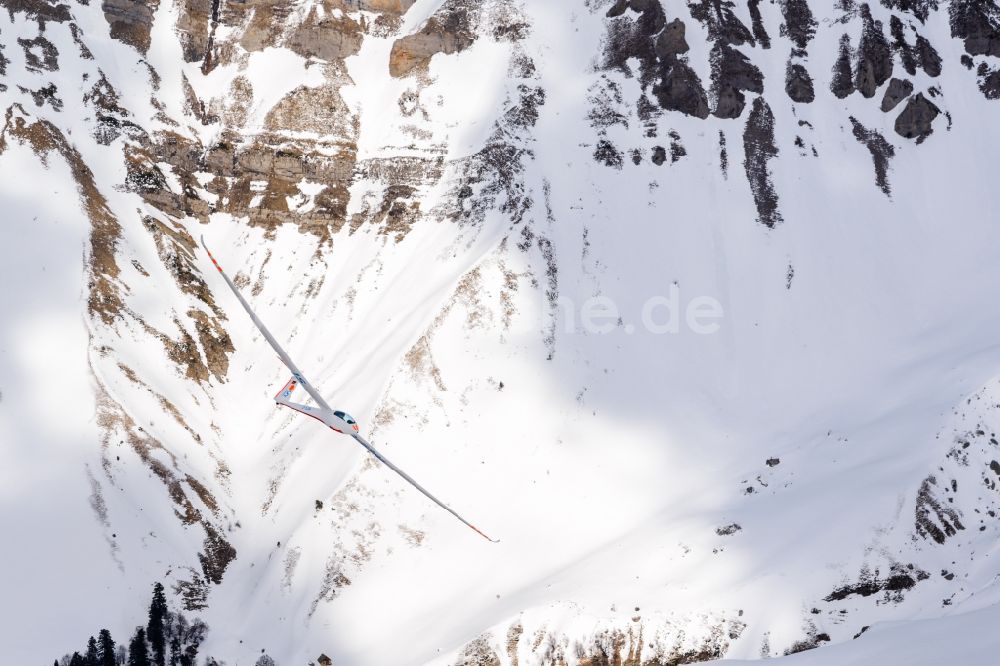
x=336, y=420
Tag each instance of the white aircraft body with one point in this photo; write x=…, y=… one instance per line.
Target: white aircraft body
x=336, y=420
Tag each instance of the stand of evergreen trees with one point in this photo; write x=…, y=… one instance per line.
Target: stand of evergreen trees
x=168, y=639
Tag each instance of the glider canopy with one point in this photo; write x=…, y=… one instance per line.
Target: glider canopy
x=344, y=416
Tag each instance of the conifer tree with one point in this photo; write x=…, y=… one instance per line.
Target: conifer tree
x=77, y=660
x=155, y=629
x=91, y=657
x=138, y=653
x=105, y=649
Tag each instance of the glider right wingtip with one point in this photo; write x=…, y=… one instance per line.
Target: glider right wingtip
x=484, y=535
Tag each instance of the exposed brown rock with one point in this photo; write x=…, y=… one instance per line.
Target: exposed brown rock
x=327, y=38
x=130, y=21
x=318, y=109
x=104, y=298
x=479, y=653
x=450, y=30
x=176, y=249
x=399, y=210
x=257, y=179
x=193, y=25
x=386, y=6
x=218, y=553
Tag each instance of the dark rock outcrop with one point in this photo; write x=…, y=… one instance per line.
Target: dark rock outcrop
x=927, y=57
x=898, y=90
x=916, y=119
x=671, y=41
x=977, y=23
x=659, y=155
x=798, y=83
x=907, y=58
x=732, y=73
x=920, y=54
x=874, y=64
x=680, y=89
x=659, y=47
x=130, y=21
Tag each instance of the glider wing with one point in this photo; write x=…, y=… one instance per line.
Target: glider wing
x=371, y=449
x=285, y=358
x=284, y=397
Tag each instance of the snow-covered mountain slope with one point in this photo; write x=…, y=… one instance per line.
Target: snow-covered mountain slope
x=470, y=222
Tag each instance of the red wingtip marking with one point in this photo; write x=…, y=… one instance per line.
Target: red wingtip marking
x=214, y=262
x=483, y=535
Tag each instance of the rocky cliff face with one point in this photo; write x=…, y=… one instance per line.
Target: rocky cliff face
x=415, y=191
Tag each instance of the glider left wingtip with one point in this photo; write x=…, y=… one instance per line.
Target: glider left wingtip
x=214, y=262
